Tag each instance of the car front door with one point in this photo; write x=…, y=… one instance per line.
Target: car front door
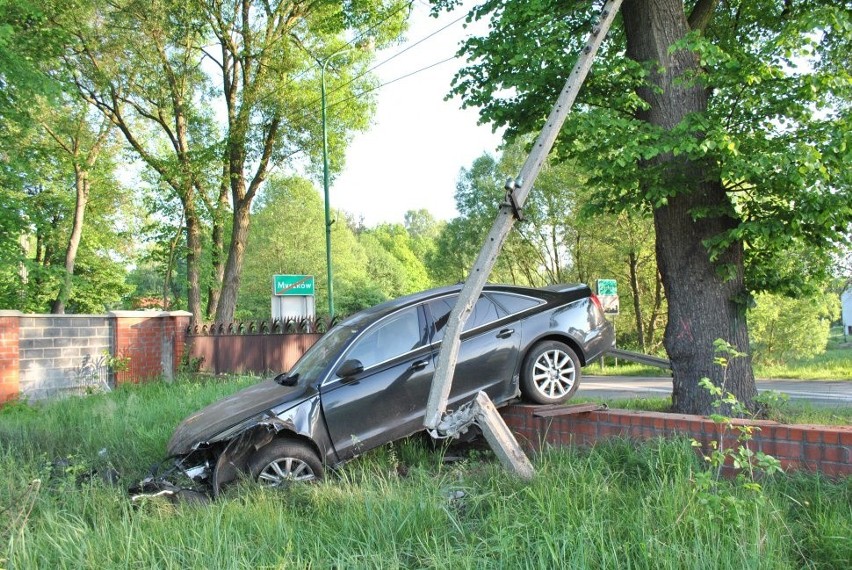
x=385, y=400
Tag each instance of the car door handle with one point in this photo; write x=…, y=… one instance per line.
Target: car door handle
x=505, y=333
x=419, y=365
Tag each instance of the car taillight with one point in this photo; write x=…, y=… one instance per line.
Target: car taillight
x=597, y=302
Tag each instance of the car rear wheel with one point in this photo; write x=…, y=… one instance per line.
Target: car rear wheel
x=551, y=373
x=285, y=461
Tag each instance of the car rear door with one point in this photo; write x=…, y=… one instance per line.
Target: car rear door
x=488, y=355
x=385, y=401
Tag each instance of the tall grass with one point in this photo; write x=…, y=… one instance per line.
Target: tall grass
x=617, y=505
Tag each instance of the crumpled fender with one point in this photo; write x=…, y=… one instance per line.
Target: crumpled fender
x=232, y=461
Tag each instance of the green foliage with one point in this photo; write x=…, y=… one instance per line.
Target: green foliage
x=775, y=131
x=722, y=505
x=423, y=231
x=401, y=265
x=27, y=39
x=288, y=236
x=36, y=226
x=783, y=329
x=559, y=241
x=117, y=363
x=189, y=364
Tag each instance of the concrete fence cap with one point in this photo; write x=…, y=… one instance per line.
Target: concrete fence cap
x=149, y=313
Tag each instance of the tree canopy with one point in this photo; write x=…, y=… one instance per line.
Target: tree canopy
x=727, y=120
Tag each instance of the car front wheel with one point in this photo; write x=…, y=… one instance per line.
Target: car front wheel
x=285, y=461
x=551, y=373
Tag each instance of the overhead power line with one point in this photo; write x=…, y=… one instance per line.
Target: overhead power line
x=306, y=109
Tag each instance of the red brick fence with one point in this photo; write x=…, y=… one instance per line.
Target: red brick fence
x=827, y=449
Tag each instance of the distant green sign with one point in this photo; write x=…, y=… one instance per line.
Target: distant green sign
x=607, y=287
x=293, y=285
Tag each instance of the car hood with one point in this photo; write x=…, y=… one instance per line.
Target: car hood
x=205, y=425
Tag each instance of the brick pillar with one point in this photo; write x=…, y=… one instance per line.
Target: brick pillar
x=10, y=369
x=138, y=335
x=179, y=323
x=153, y=341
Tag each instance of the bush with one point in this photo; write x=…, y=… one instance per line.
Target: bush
x=782, y=328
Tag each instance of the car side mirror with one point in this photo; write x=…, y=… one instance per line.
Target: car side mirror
x=285, y=379
x=350, y=368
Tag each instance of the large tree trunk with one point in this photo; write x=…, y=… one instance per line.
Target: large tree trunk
x=217, y=272
x=701, y=301
x=233, y=267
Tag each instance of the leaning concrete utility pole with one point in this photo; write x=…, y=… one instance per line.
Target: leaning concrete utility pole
x=481, y=410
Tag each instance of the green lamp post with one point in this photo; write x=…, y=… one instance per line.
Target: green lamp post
x=368, y=44
x=328, y=221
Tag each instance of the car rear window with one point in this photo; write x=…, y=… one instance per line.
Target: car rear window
x=484, y=312
x=513, y=303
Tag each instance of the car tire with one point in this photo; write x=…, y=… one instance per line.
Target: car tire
x=551, y=373
x=285, y=461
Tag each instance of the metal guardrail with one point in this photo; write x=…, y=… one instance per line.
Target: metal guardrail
x=646, y=359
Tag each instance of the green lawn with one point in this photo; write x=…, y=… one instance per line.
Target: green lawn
x=834, y=364
x=617, y=505
x=789, y=412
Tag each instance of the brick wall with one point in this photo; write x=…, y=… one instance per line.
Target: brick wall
x=42, y=356
x=153, y=342
x=827, y=449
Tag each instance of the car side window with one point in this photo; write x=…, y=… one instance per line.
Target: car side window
x=392, y=337
x=484, y=312
x=514, y=303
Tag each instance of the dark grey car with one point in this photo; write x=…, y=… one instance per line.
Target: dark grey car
x=366, y=382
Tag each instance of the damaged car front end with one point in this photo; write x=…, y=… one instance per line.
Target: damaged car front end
x=215, y=457
x=212, y=447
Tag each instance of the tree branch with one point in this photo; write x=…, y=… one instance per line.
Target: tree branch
x=701, y=14
x=263, y=165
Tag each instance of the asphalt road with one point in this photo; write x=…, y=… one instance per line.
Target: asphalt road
x=818, y=392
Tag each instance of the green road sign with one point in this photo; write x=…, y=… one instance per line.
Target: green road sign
x=607, y=287
x=292, y=284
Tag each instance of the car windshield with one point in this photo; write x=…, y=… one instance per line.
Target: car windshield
x=326, y=349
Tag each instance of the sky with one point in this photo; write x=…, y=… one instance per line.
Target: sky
x=411, y=156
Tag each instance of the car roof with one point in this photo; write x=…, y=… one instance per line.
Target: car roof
x=368, y=316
